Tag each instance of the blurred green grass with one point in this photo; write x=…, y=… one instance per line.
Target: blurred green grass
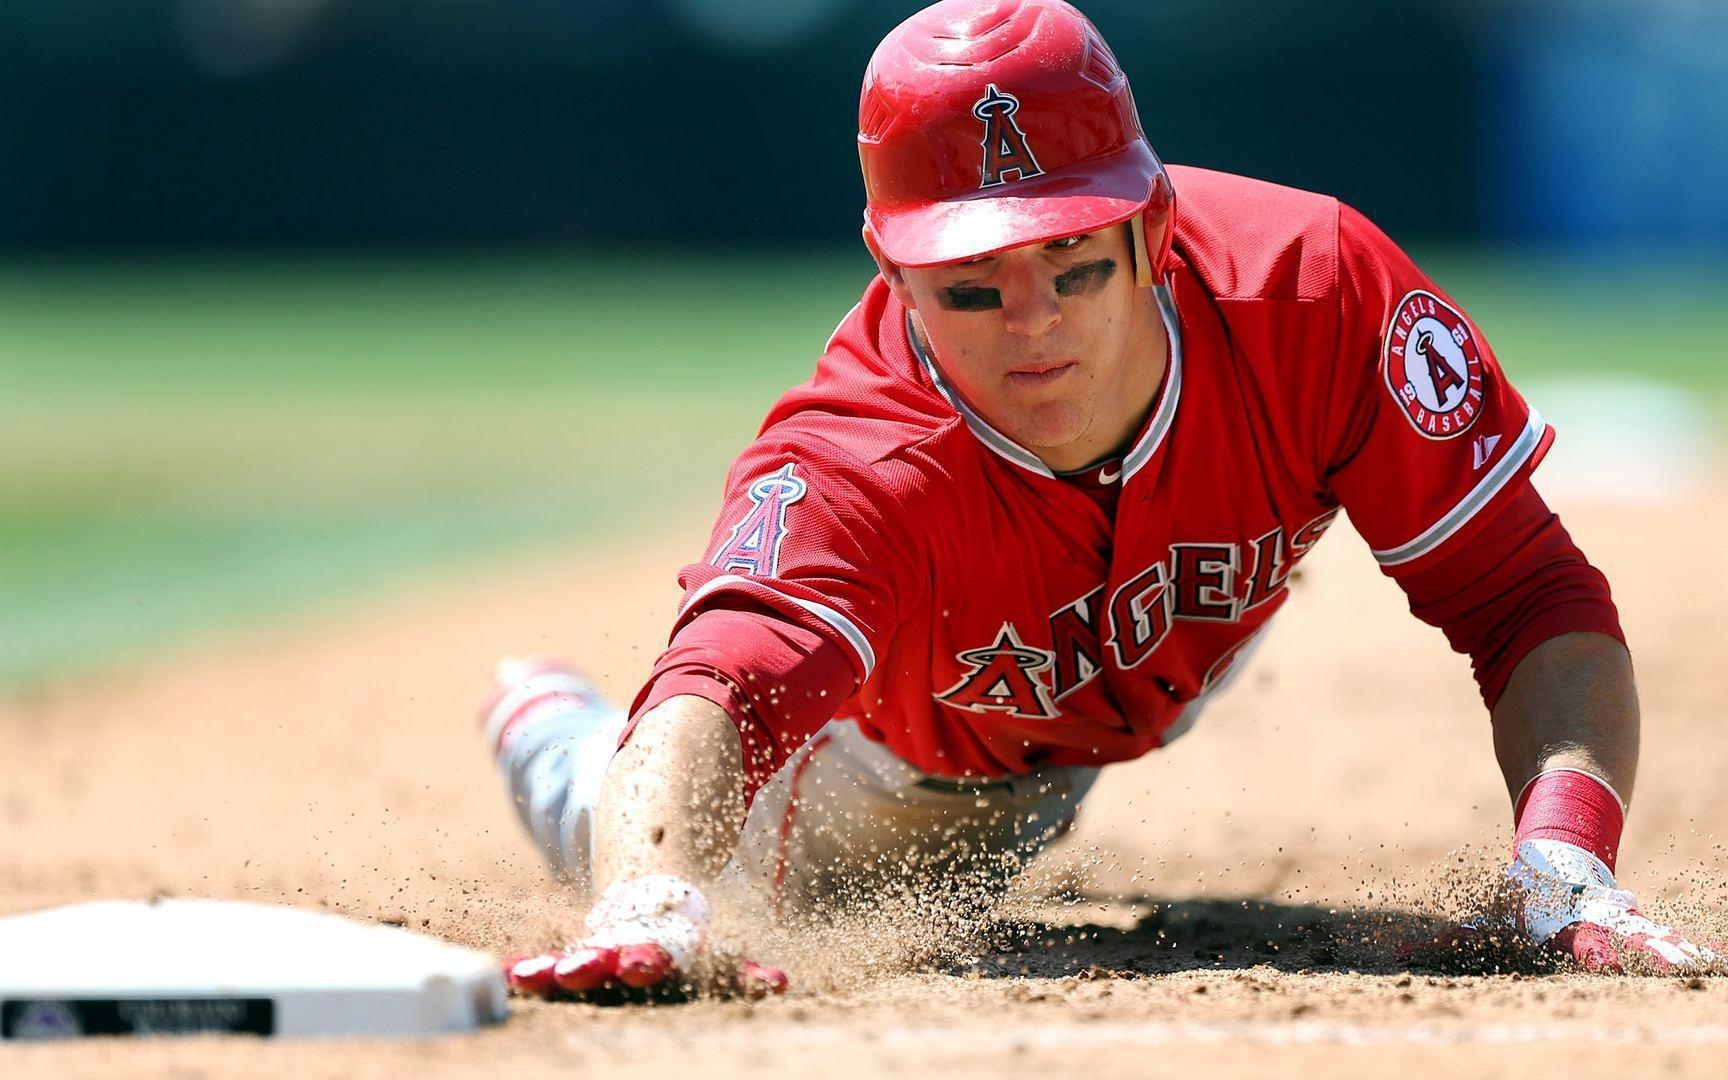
x=189, y=442
x=184, y=443
x=1552, y=318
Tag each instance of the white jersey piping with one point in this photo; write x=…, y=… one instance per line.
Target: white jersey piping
x=1165, y=415
x=846, y=628
x=1478, y=497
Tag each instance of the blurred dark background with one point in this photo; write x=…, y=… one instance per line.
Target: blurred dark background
x=299, y=298
x=220, y=124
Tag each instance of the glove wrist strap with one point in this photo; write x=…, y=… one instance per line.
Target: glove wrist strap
x=1572, y=806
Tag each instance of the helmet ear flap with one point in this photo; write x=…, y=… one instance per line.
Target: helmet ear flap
x=1156, y=232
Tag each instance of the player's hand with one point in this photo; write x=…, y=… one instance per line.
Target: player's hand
x=1569, y=901
x=648, y=935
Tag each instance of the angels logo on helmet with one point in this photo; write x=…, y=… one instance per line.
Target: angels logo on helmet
x=1005, y=147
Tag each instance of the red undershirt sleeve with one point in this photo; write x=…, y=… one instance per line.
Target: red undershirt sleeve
x=1517, y=581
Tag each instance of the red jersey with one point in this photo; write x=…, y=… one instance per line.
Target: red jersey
x=979, y=615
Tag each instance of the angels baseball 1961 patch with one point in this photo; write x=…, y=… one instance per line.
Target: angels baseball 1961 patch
x=1433, y=366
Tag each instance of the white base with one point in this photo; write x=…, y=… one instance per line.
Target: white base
x=174, y=966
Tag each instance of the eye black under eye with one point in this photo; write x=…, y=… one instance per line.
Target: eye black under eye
x=1086, y=278
x=967, y=298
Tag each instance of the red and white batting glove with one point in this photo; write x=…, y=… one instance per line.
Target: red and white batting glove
x=646, y=934
x=1569, y=825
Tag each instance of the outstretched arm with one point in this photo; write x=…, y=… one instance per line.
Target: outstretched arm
x=670, y=812
x=1570, y=704
x=1566, y=734
x=673, y=800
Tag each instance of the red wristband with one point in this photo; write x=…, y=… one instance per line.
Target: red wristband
x=1573, y=806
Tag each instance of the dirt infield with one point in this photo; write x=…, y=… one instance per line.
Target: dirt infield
x=1223, y=906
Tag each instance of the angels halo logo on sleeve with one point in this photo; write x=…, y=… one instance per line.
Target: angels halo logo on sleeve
x=1433, y=366
x=753, y=547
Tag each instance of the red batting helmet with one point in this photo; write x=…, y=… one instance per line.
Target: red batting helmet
x=989, y=124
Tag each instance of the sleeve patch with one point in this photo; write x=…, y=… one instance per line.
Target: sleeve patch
x=753, y=546
x=1433, y=366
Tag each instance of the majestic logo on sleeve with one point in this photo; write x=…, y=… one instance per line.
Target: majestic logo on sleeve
x=1005, y=149
x=1004, y=678
x=754, y=545
x=1433, y=366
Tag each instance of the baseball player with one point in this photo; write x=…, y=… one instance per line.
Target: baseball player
x=1043, y=492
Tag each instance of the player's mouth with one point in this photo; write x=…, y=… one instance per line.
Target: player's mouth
x=1040, y=373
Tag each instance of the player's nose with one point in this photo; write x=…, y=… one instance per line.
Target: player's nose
x=1029, y=303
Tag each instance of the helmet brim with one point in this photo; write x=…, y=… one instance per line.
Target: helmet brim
x=1080, y=198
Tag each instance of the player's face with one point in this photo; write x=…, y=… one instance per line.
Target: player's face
x=1053, y=344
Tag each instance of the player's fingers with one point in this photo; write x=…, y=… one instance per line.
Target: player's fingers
x=759, y=980
x=1668, y=951
x=1657, y=947
x=531, y=975
x=645, y=965
x=1589, y=945
x=586, y=968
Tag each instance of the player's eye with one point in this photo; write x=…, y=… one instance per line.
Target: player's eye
x=1068, y=242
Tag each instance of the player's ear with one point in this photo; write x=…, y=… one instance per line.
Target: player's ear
x=892, y=272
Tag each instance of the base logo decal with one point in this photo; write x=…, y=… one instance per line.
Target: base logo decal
x=1433, y=366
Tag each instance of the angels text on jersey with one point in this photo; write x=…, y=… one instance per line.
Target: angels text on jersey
x=1205, y=582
